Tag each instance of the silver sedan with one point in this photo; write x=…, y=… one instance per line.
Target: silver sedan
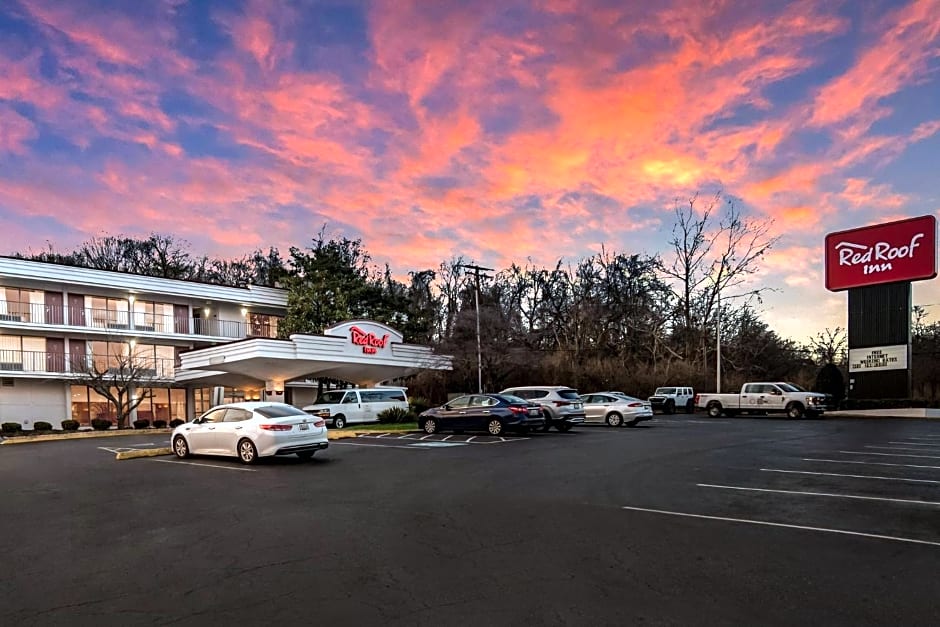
x=615, y=410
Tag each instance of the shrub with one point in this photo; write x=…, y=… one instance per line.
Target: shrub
x=9, y=428
x=143, y=423
x=395, y=415
x=100, y=424
x=42, y=425
x=176, y=422
x=159, y=424
x=70, y=425
x=419, y=404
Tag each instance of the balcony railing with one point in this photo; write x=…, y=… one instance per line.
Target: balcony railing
x=33, y=362
x=116, y=320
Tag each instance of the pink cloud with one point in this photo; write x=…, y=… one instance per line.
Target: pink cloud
x=15, y=131
x=898, y=58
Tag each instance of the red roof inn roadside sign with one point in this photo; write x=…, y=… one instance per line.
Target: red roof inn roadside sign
x=883, y=253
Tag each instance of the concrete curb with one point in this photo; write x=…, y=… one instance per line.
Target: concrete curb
x=35, y=439
x=150, y=452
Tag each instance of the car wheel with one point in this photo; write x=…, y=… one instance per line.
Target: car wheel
x=690, y=406
x=180, y=447
x=494, y=426
x=670, y=407
x=305, y=455
x=430, y=426
x=564, y=427
x=714, y=410
x=794, y=411
x=614, y=419
x=339, y=422
x=247, y=452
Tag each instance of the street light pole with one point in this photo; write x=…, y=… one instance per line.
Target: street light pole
x=476, y=300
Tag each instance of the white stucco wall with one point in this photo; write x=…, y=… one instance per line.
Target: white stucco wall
x=28, y=401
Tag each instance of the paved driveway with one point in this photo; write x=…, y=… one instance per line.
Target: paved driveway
x=684, y=521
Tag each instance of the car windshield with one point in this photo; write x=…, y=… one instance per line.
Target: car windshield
x=509, y=398
x=331, y=398
x=571, y=395
x=790, y=387
x=279, y=411
x=665, y=390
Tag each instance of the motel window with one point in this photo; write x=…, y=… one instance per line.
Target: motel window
x=107, y=355
x=150, y=316
x=107, y=313
x=262, y=325
x=22, y=353
x=19, y=305
x=162, y=404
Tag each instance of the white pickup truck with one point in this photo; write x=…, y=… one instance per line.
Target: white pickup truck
x=765, y=398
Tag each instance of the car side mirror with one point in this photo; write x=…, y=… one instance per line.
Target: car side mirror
x=447, y=407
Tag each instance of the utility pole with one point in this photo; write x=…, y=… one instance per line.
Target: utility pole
x=476, y=298
x=718, y=346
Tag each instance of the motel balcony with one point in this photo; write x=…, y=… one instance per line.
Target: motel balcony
x=20, y=362
x=32, y=314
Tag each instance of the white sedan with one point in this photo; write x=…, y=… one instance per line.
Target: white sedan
x=249, y=431
x=615, y=410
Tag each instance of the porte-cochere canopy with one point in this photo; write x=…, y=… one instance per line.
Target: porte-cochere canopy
x=362, y=352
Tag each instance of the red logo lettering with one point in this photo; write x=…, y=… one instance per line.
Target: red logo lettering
x=368, y=341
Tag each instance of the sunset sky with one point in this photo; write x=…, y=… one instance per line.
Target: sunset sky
x=498, y=130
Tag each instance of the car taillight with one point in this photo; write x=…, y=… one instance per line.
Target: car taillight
x=320, y=423
x=519, y=410
x=562, y=403
x=695, y=402
x=275, y=427
x=635, y=405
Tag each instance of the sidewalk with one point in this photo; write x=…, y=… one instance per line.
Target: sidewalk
x=913, y=412
x=82, y=435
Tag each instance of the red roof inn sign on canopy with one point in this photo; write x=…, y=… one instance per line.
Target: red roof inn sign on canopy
x=884, y=253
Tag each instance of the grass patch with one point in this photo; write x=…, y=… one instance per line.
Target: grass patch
x=380, y=427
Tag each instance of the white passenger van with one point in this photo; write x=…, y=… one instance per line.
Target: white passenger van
x=342, y=407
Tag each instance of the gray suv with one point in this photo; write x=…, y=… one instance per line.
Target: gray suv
x=561, y=405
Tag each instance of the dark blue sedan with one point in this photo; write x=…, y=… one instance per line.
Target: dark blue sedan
x=493, y=413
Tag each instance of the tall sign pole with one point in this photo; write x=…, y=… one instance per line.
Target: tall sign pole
x=876, y=265
x=477, y=270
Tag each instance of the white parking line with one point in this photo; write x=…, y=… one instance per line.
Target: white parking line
x=447, y=438
x=169, y=461
x=836, y=474
x=845, y=461
x=784, y=525
x=900, y=448
x=830, y=494
x=409, y=447
x=472, y=438
x=923, y=437
x=888, y=454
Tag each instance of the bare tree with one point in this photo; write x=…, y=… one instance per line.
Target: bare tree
x=829, y=346
x=123, y=377
x=709, y=264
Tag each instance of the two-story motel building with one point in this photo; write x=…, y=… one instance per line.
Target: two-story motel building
x=201, y=344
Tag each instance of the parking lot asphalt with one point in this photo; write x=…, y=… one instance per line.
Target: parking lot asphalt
x=682, y=521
